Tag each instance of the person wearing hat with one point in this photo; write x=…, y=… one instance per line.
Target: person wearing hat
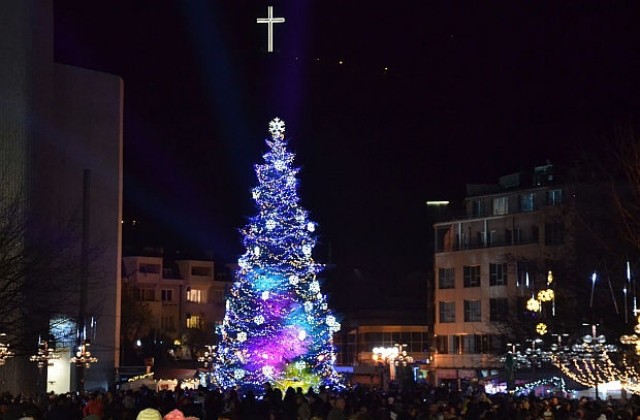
x=149, y=414
x=174, y=415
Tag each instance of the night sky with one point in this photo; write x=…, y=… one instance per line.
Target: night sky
x=471, y=91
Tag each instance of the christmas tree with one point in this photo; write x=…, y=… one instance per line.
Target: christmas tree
x=277, y=327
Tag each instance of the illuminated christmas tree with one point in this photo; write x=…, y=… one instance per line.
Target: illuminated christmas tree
x=277, y=327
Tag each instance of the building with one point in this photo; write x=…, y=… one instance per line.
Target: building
x=361, y=338
x=182, y=296
x=61, y=150
x=489, y=262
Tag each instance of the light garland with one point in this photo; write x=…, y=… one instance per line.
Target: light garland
x=277, y=326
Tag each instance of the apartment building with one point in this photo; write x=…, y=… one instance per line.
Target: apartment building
x=488, y=262
x=182, y=295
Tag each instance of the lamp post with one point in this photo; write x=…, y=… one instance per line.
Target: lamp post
x=383, y=356
x=5, y=353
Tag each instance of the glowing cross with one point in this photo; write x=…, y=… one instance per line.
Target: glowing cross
x=270, y=20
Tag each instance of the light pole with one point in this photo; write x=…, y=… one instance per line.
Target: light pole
x=383, y=356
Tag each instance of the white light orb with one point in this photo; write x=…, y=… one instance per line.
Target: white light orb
x=242, y=336
x=265, y=295
x=311, y=227
x=238, y=374
x=336, y=327
x=271, y=224
x=291, y=181
x=306, y=249
x=279, y=165
x=243, y=264
x=302, y=334
x=268, y=371
x=258, y=319
x=227, y=305
x=255, y=194
x=319, y=296
x=300, y=365
x=300, y=216
x=331, y=320
x=308, y=306
x=293, y=279
x=256, y=251
x=265, y=356
x=324, y=306
x=314, y=286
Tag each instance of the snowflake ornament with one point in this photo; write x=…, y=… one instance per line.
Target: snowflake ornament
x=276, y=128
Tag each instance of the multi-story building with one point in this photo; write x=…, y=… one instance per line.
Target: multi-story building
x=180, y=296
x=484, y=270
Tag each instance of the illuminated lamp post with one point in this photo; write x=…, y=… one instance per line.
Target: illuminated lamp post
x=384, y=356
x=5, y=353
x=83, y=358
x=43, y=357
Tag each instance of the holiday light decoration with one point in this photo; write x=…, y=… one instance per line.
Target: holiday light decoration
x=5, y=353
x=533, y=305
x=541, y=328
x=277, y=327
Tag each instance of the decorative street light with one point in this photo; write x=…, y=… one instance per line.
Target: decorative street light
x=83, y=357
x=44, y=354
x=207, y=357
x=5, y=353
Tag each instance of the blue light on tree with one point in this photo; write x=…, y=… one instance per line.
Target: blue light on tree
x=277, y=327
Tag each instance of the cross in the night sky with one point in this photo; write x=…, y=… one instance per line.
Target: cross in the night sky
x=270, y=20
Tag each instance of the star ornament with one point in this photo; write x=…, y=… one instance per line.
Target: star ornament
x=276, y=128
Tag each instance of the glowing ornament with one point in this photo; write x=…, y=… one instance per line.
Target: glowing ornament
x=314, y=286
x=227, y=305
x=255, y=194
x=242, y=336
x=306, y=249
x=271, y=224
x=311, y=227
x=276, y=125
x=300, y=216
x=308, y=306
x=324, y=306
x=258, y=319
x=265, y=295
x=279, y=165
x=256, y=251
x=243, y=264
x=331, y=320
x=293, y=279
x=238, y=374
x=291, y=181
x=533, y=305
x=268, y=371
x=319, y=296
x=302, y=334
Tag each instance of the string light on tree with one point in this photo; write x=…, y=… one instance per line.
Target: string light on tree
x=277, y=327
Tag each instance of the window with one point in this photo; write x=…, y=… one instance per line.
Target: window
x=447, y=312
x=201, y=271
x=194, y=295
x=145, y=294
x=498, y=309
x=472, y=311
x=554, y=197
x=167, y=323
x=471, y=344
x=471, y=276
x=446, y=278
x=527, y=202
x=500, y=206
x=166, y=295
x=554, y=233
x=498, y=274
x=476, y=208
x=194, y=321
x=442, y=344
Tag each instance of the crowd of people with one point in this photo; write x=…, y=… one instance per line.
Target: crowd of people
x=421, y=402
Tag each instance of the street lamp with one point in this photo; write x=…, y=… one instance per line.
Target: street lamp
x=5, y=353
x=83, y=357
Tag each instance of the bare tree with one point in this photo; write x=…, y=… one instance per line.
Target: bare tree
x=39, y=272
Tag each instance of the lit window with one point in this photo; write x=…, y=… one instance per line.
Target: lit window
x=194, y=295
x=194, y=321
x=500, y=206
x=554, y=197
